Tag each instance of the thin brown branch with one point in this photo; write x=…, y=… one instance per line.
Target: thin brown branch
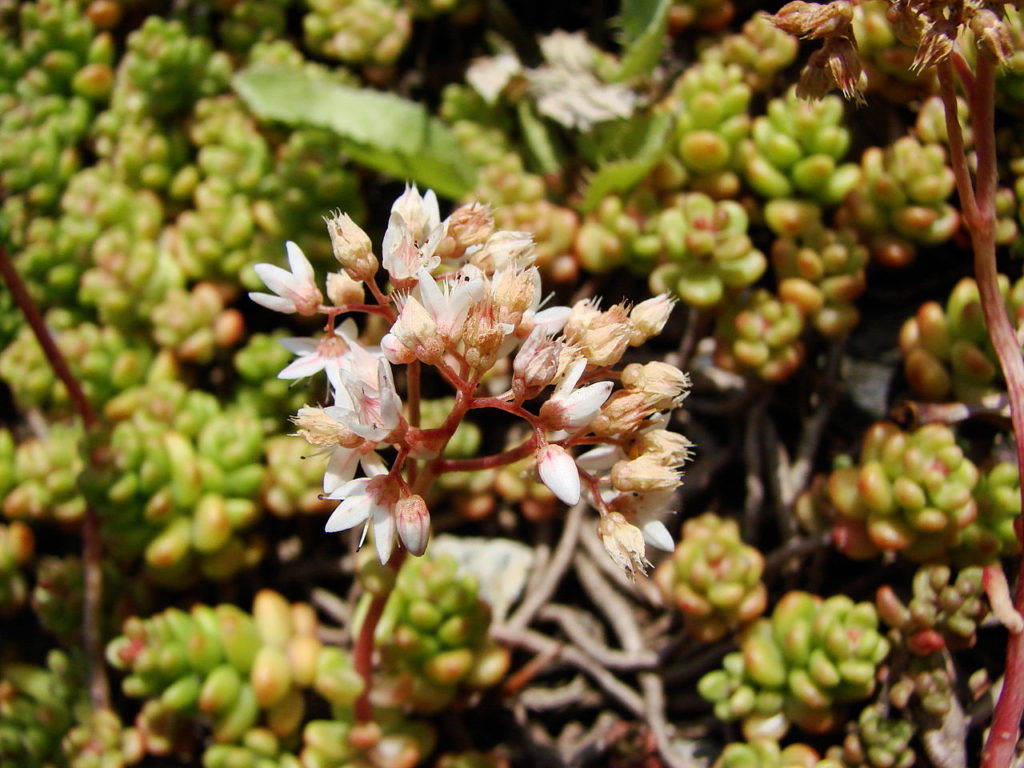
x=613, y=606
x=92, y=546
x=555, y=570
x=571, y=621
x=570, y=654
x=56, y=359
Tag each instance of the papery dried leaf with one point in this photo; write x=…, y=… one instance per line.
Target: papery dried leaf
x=845, y=68
x=936, y=44
x=815, y=78
x=815, y=20
x=992, y=35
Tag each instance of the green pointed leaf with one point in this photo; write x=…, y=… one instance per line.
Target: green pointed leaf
x=622, y=174
x=383, y=131
x=538, y=139
x=644, y=23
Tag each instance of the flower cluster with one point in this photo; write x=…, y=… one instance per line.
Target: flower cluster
x=465, y=300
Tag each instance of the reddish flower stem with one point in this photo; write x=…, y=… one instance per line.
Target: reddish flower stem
x=92, y=547
x=978, y=204
x=505, y=405
x=488, y=462
x=362, y=653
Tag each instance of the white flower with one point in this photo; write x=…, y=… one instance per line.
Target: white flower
x=296, y=290
x=421, y=215
x=369, y=500
x=413, y=232
x=570, y=408
x=343, y=462
x=371, y=409
x=567, y=88
x=489, y=75
x=413, y=335
x=448, y=305
x=315, y=355
x=558, y=472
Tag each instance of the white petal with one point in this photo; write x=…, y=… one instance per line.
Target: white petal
x=431, y=210
x=552, y=319
x=348, y=330
x=428, y=251
x=397, y=241
x=302, y=345
x=558, y=472
x=350, y=513
x=572, y=376
x=303, y=367
x=657, y=535
x=373, y=464
x=352, y=488
x=383, y=532
x=390, y=402
x=300, y=265
x=600, y=459
x=280, y=281
x=431, y=296
x=341, y=468
x=583, y=404
x=275, y=303
x=341, y=395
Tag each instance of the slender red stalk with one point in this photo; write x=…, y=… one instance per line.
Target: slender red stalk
x=488, y=462
x=362, y=653
x=92, y=547
x=978, y=204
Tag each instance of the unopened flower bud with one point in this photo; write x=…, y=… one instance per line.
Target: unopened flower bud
x=624, y=543
x=482, y=336
x=352, y=247
x=502, y=250
x=318, y=428
x=416, y=330
x=412, y=520
x=602, y=337
x=536, y=363
x=671, y=448
x=514, y=291
x=649, y=317
x=342, y=289
x=643, y=475
x=557, y=470
x=666, y=384
x=624, y=413
x=993, y=35
x=468, y=226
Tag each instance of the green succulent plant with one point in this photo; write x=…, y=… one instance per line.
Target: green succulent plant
x=800, y=666
x=910, y=493
x=795, y=154
x=713, y=578
x=904, y=200
x=947, y=352
x=434, y=631
x=941, y=614
x=822, y=272
x=760, y=334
